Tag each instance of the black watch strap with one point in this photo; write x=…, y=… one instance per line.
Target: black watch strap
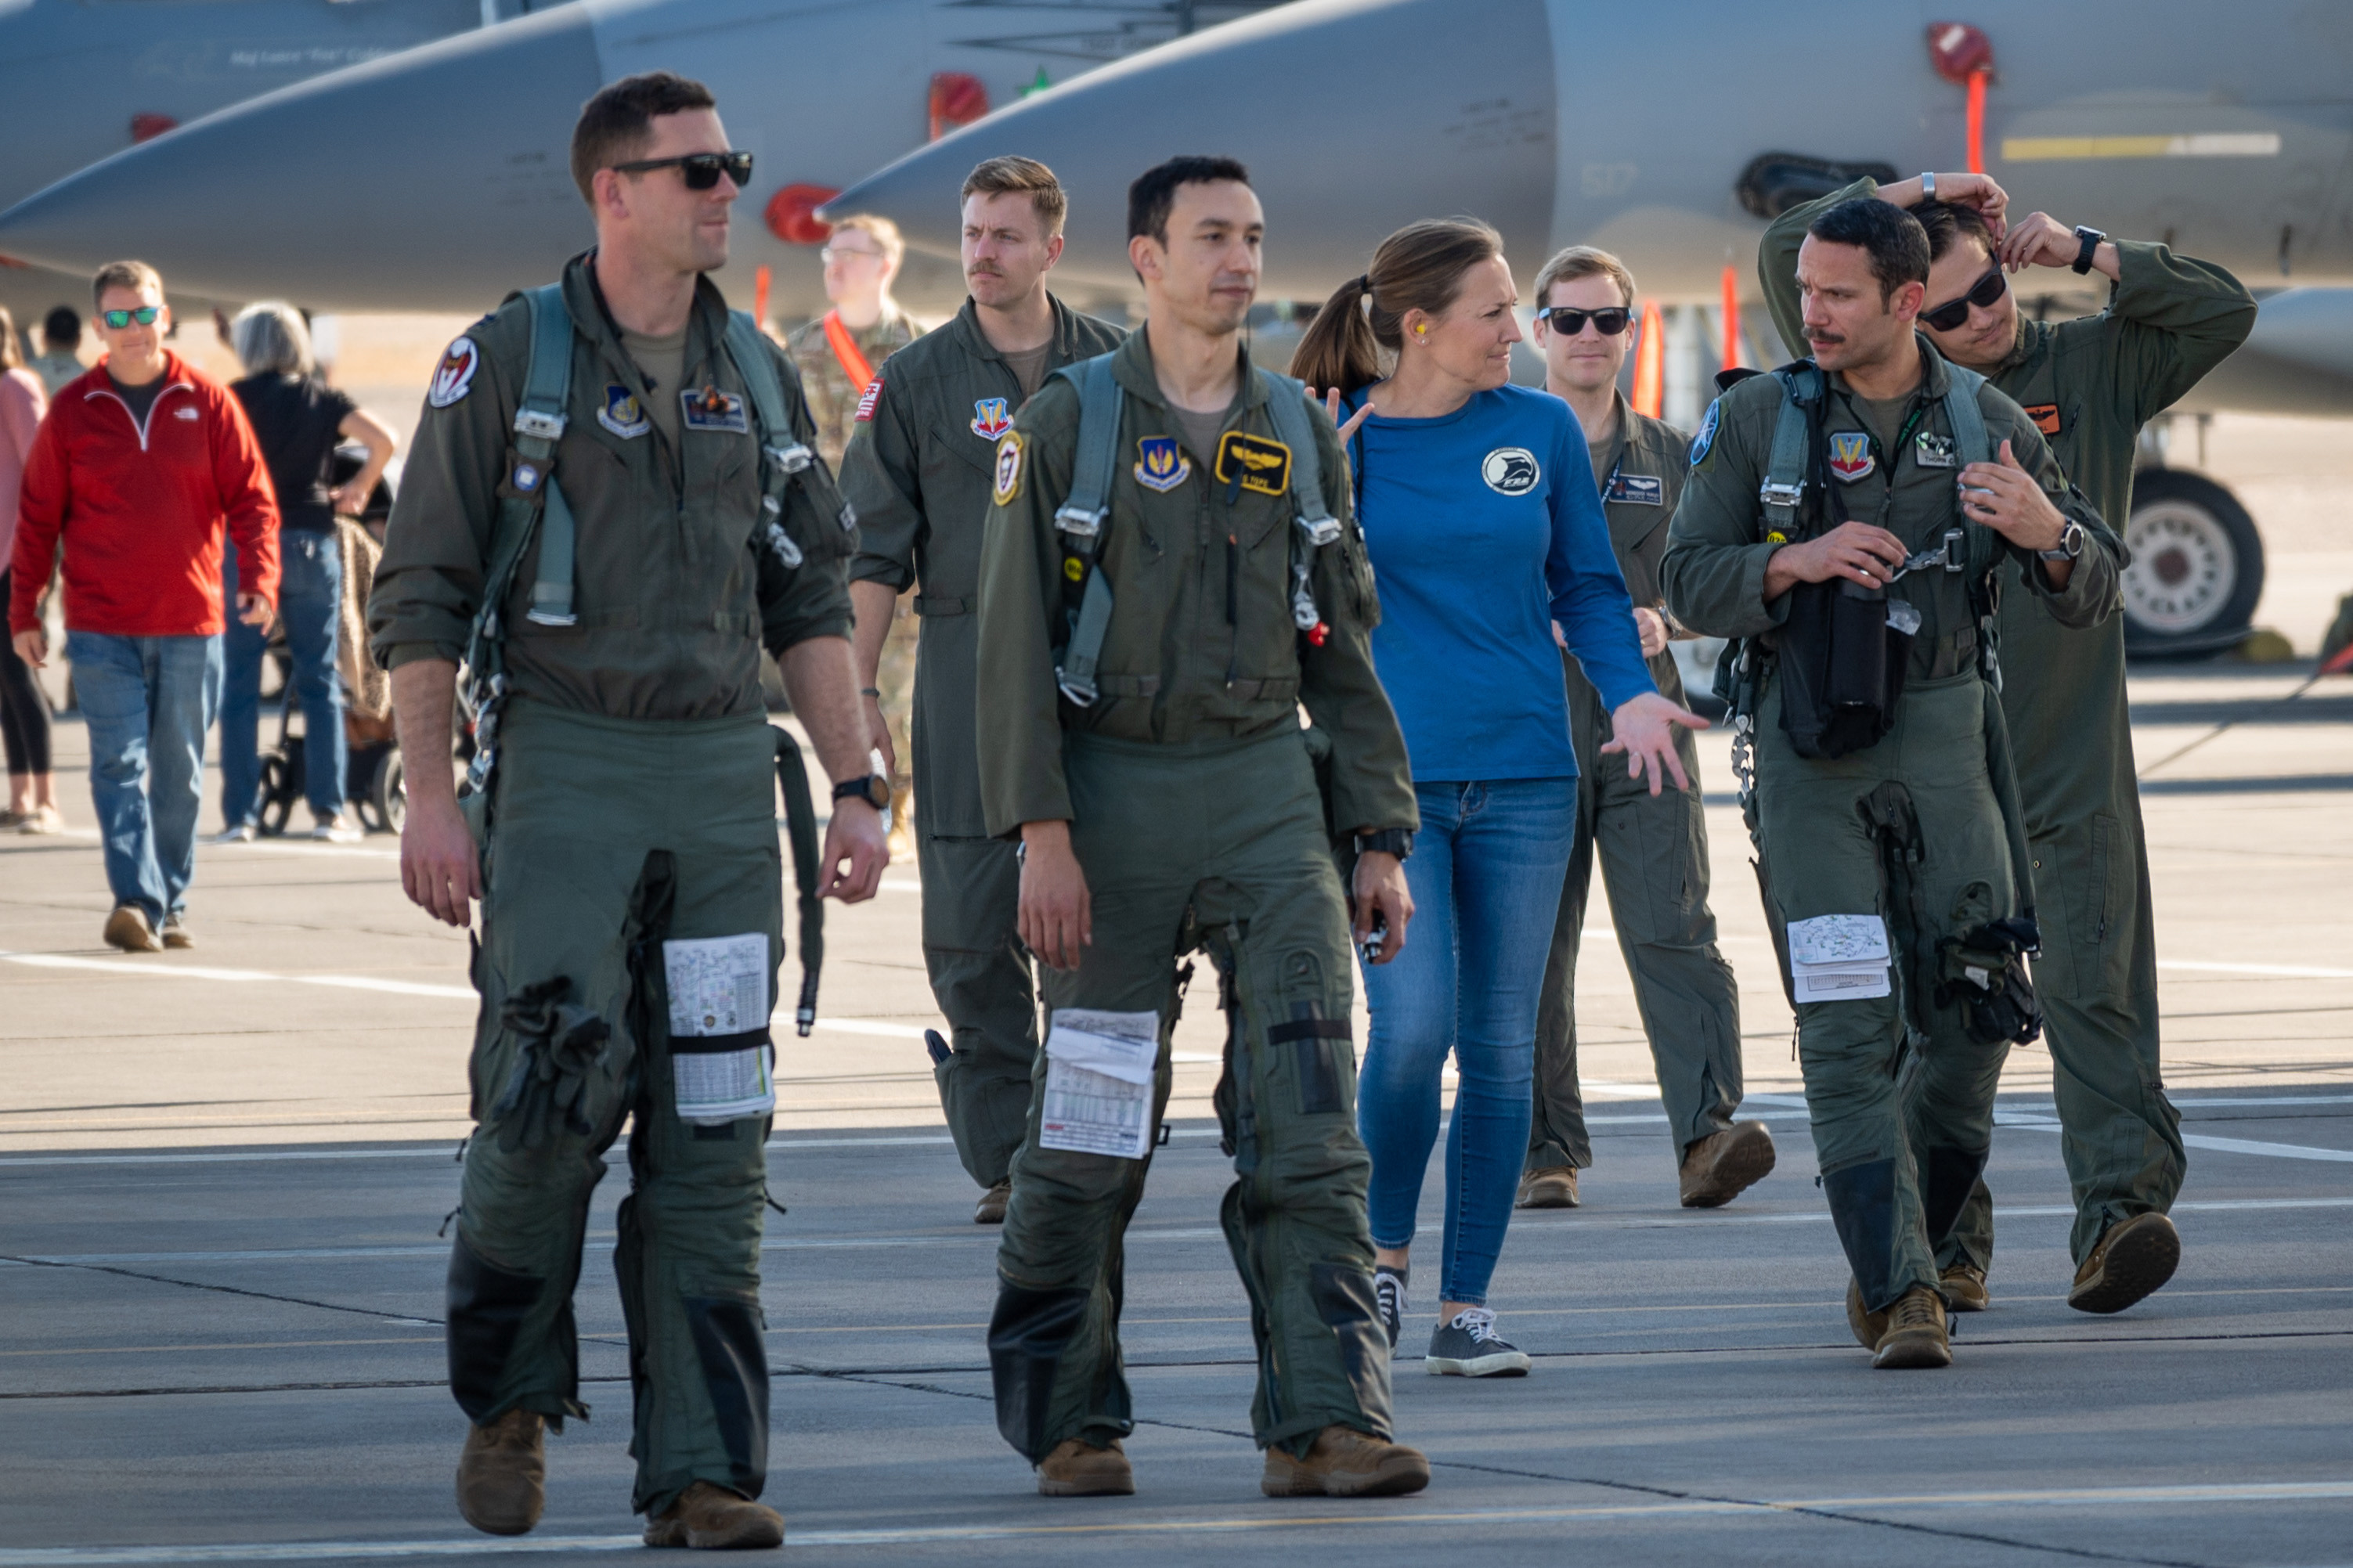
x=873, y=789
x=1396, y=841
x=2088, y=245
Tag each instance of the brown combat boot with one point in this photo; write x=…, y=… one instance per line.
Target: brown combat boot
x=502, y=1474
x=1869, y=1327
x=1916, y=1336
x=990, y=1210
x=1345, y=1462
x=1964, y=1285
x=706, y=1516
x=1721, y=1166
x=1081, y=1469
x=2136, y=1257
x=1554, y=1187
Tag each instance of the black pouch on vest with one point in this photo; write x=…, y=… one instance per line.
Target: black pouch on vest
x=1841, y=669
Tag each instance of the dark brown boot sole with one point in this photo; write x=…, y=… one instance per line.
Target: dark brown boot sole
x=1747, y=1160
x=1551, y=1192
x=1121, y=1484
x=1396, y=1477
x=1915, y=1350
x=2141, y=1255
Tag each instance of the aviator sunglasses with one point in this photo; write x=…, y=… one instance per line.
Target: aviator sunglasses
x=1982, y=293
x=144, y=315
x=700, y=171
x=1569, y=322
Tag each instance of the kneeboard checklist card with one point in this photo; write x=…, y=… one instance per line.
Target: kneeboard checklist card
x=1099, y=1069
x=1839, y=958
x=720, y=1059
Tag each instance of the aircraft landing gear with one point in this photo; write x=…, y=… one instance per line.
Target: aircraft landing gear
x=2197, y=568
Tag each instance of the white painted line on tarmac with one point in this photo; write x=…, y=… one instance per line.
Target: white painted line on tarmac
x=2045, y=1124
x=2278, y=971
x=1256, y=1519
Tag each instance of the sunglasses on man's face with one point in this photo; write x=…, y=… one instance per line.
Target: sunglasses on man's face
x=700, y=171
x=1982, y=293
x=144, y=315
x=1569, y=322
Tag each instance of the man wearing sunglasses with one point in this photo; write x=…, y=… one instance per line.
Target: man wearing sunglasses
x=624, y=792
x=1653, y=848
x=2090, y=383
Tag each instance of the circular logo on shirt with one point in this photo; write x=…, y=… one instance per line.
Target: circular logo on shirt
x=1510, y=470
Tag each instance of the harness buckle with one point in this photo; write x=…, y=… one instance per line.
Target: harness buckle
x=791, y=460
x=1079, y=524
x=542, y=618
x=1773, y=494
x=1078, y=689
x=531, y=422
x=1320, y=531
x=782, y=544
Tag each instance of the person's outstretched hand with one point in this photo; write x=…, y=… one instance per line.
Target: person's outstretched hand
x=1645, y=734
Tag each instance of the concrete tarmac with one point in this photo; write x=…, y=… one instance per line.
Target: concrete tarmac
x=222, y=1173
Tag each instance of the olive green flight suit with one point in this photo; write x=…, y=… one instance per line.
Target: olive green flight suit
x=631, y=811
x=918, y=472
x=1653, y=853
x=2091, y=384
x=1194, y=813
x=1910, y=829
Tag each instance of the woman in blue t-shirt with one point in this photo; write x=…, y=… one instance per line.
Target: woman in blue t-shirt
x=1479, y=510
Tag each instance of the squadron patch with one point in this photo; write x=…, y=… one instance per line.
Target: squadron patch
x=1510, y=470
x=1850, y=457
x=1636, y=489
x=622, y=413
x=1008, y=469
x=868, y=399
x=2045, y=416
x=991, y=418
x=711, y=409
x=1705, y=439
x=1255, y=462
x=1161, y=465
x=1933, y=451
x=454, y=376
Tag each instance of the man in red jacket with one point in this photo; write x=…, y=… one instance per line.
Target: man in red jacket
x=140, y=466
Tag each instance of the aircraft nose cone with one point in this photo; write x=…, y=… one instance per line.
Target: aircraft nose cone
x=1353, y=118
x=312, y=193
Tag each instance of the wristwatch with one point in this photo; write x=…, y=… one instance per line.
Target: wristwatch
x=1396, y=841
x=873, y=789
x=1929, y=187
x=2071, y=544
x=2088, y=241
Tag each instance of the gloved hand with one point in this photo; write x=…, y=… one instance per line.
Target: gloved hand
x=562, y=1044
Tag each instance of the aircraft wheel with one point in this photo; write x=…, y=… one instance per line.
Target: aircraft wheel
x=2197, y=568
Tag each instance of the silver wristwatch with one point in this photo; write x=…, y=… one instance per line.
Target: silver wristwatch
x=2071, y=544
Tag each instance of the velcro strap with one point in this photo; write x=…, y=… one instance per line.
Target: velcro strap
x=1309, y=1029
x=940, y=605
x=717, y=1044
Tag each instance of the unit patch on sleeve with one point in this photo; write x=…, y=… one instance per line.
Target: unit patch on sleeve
x=622, y=413
x=868, y=399
x=991, y=418
x=1636, y=489
x=2045, y=416
x=1257, y=462
x=711, y=409
x=1850, y=457
x=1706, y=436
x=1161, y=464
x=1008, y=469
x=454, y=376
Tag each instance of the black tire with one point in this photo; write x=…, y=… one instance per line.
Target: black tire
x=390, y=792
x=279, y=789
x=2197, y=571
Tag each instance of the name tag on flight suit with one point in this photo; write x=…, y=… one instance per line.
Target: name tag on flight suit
x=711, y=409
x=1636, y=489
x=1258, y=463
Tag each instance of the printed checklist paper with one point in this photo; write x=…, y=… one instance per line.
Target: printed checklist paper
x=1839, y=958
x=1098, y=1071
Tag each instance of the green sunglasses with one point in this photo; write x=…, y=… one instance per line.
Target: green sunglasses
x=144, y=315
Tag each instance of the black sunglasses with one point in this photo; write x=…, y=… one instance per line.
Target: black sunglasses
x=1569, y=322
x=1982, y=293
x=699, y=170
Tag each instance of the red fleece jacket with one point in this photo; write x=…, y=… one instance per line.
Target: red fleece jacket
x=141, y=513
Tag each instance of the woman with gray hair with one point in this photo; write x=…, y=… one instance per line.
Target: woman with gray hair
x=297, y=419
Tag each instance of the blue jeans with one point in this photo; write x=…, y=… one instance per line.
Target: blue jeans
x=147, y=702
x=1485, y=877
x=309, y=602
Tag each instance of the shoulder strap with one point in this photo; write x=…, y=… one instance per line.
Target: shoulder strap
x=1784, y=474
x=1316, y=527
x=781, y=456
x=1080, y=521
x=1962, y=412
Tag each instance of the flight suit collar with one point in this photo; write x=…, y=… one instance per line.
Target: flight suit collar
x=1935, y=377
x=1066, y=345
x=1131, y=366
x=706, y=320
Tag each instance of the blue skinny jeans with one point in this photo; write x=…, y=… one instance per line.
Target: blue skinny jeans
x=1485, y=877
x=309, y=602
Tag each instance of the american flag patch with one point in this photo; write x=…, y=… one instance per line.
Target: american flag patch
x=872, y=395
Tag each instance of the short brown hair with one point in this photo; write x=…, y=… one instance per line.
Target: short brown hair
x=615, y=124
x=997, y=176
x=1420, y=268
x=1946, y=224
x=1583, y=261
x=132, y=275
x=884, y=232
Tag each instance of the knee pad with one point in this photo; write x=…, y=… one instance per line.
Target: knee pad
x=1028, y=1334
x=1862, y=1209
x=487, y=1305
x=1947, y=1176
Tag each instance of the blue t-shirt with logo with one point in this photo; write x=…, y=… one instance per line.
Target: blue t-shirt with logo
x=1484, y=528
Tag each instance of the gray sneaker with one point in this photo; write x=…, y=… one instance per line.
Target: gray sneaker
x=1467, y=1345
x=1388, y=1294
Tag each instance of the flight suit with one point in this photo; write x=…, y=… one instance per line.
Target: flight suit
x=1653, y=851
x=918, y=473
x=2091, y=384
x=631, y=830
x=1194, y=813
x=1912, y=829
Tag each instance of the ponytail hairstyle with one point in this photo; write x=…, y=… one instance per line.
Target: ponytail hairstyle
x=11, y=356
x=1418, y=268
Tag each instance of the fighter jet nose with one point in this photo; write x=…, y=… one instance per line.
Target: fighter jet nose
x=312, y=191
x=1467, y=123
